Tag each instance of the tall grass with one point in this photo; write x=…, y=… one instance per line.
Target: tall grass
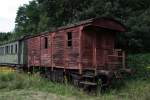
x=135, y=88
x=140, y=63
x=12, y=81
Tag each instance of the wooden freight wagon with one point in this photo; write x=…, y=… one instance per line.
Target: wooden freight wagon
x=87, y=46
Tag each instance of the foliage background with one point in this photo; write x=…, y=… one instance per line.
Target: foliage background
x=42, y=15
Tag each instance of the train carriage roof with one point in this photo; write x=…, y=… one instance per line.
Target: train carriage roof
x=102, y=22
x=11, y=41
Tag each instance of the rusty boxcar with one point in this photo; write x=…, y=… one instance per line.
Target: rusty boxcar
x=84, y=52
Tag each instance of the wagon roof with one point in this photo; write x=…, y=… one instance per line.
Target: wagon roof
x=103, y=22
x=11, y=41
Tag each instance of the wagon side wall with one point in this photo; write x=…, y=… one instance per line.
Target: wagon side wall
x=33, y=49
x=63, y=55
x=46, y=53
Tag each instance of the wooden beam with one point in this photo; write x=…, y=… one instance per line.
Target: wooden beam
x=52, y=39
x=123, y=59
x=65, y=52
x=94, y=54
x=80, y=49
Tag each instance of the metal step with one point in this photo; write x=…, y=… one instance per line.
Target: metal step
x=88, y=76
x=88, y=83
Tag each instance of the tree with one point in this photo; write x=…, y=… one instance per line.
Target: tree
x=5, y=36
x=27, y=19
x=42, y=15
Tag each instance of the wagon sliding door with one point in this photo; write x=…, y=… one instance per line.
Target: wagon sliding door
x=99, y=50
x=104, y=44
x=33, y=51
x=87, y=49
x=94, y=47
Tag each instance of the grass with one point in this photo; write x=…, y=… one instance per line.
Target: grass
x=19, y=82
x=20, y=86
x=140, y=63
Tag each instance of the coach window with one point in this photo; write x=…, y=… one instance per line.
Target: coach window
x=0, y=50
x=16, y=48
x=69, y=39
x=3, y=52
x=12, y=49
x=6, y=50
x=45, y=42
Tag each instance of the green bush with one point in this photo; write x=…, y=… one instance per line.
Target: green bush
x=140, y=63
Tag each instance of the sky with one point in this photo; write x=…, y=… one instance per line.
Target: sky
x=8, y=10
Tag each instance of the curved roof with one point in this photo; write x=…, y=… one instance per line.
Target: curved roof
x=109, y=23
x=102, y=22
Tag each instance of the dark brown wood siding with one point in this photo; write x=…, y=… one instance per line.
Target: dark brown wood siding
x=99, y=40
x=46, y=52
x=63, y=55
x=33, y=51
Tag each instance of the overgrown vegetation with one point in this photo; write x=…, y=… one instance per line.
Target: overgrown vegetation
x=34, y=83
x=140, y=63
x=21, y=86
x=5, y=36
